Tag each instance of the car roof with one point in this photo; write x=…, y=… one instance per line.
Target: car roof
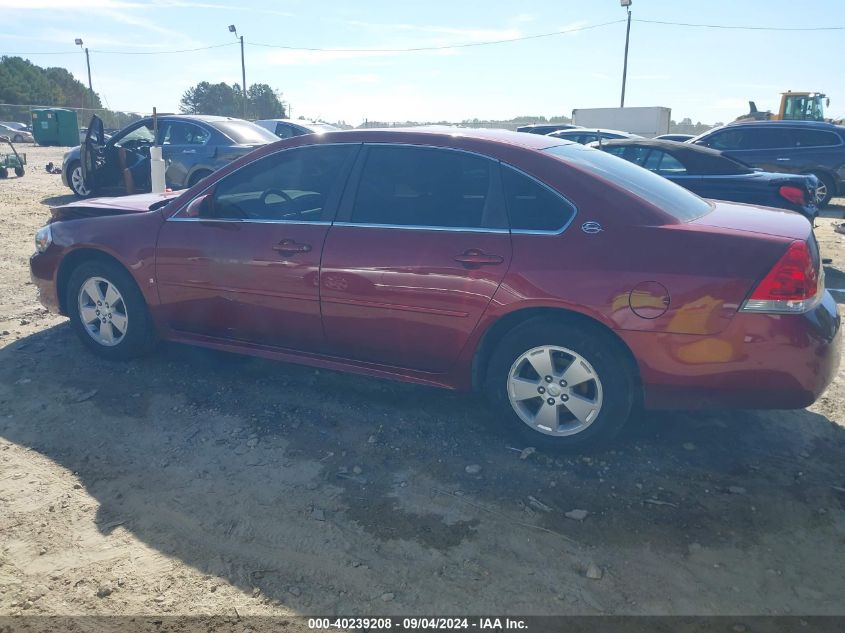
x=440, y=135
x=594, y=130
x=697, y=158
x=826, y=125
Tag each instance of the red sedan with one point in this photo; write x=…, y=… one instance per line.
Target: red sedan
x=569, y=285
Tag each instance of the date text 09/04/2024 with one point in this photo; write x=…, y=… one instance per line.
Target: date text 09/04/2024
x=416, y=623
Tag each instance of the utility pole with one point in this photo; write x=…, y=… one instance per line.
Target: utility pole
x=232, y=29
x=627, y=5
x=87, y=63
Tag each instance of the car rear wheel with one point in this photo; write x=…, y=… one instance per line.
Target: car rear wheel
x=825, y=190
x=561, y=385
x=108, y=312
x=77, y=181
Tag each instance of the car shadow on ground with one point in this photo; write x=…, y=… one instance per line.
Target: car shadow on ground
x=55, y=201
x=271, y=475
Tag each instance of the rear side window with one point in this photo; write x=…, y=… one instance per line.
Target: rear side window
x=670, y=198
x=815, y=138
x=768, y=138
x=422, y=187
x=532, y=206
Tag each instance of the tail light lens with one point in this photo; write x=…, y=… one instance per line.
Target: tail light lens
x=795, y=195
x=792, y=286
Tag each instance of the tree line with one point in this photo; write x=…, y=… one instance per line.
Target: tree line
x=262, y=102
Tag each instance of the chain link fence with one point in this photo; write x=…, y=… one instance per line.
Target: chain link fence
x=112, y=119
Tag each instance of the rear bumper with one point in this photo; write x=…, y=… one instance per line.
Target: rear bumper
x=760, y=361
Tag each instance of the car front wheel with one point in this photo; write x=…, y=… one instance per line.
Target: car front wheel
x=108, y=312
x=77, y=181
x=561, y=385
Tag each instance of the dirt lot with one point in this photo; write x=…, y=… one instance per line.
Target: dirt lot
x=193, y=482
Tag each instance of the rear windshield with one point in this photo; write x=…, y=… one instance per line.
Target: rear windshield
x=670, y=198
x=246, y=133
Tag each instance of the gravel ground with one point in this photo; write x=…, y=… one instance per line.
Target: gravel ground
x=195, y=482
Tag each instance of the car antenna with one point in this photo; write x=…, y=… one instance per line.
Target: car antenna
x=598, y=133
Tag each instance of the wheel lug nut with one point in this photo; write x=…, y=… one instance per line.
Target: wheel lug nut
x=562, y=383
x=551, y=400
x=548, y=378
x=541, y=390
x=564, y=397
x=99, y=303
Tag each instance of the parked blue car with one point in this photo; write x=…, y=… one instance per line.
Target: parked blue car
x=711, y=174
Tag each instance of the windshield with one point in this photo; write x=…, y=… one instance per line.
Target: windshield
x=670, y=198
x=246, y=133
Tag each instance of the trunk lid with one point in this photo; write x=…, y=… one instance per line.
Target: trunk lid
x=747, y=218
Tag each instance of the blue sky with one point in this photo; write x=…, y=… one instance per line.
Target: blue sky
x=706, y=74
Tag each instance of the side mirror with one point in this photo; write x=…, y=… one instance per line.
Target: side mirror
x=199, y=207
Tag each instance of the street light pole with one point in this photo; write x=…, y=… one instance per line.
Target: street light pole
x=627, y=5
x=232, y=29
x=88, y=64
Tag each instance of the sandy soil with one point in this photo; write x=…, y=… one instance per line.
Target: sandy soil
x=193, y=482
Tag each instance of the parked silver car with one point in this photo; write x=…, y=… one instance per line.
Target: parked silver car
x=15, y=134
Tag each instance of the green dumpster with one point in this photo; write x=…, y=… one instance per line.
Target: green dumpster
x=55, y=126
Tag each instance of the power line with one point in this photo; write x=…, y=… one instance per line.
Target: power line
x=106, y=52
x=745, y=28
x=433, y=48
x=445, y=46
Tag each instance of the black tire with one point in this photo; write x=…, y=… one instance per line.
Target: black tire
x=197, y=176
x=18, y=139
x=610, y=361
x=830, y=187
x=139, y=338
x=4, y=173
x=19, y=172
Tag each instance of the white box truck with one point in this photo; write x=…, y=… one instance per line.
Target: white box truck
x=648, y=122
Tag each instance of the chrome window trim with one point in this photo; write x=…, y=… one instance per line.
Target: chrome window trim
x=554, y=192
x=173, y=215
x=246, y=221
x=421, y=227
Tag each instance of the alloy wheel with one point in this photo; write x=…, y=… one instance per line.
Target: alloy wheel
x=102, y=311
x=554, y=390
x=78, y=182
x=821, y=192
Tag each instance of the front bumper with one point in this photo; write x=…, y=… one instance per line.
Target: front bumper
x=761, y=361
x=42, y=270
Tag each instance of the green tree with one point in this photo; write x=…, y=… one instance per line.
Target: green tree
x=225, y=100
x=264, y=102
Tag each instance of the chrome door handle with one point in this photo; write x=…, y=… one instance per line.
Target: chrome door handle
x=781, y=159
x=475, y=257
x=189, y=151
x=290, y=247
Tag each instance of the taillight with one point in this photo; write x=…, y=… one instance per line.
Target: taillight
x=795, y=195
x=792, y=286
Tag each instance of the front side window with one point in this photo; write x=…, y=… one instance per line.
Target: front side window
x=140, y=135
x=533, y=206
x=292, y=186
x=427, y=187
x=664, y=164
x=726, y=139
